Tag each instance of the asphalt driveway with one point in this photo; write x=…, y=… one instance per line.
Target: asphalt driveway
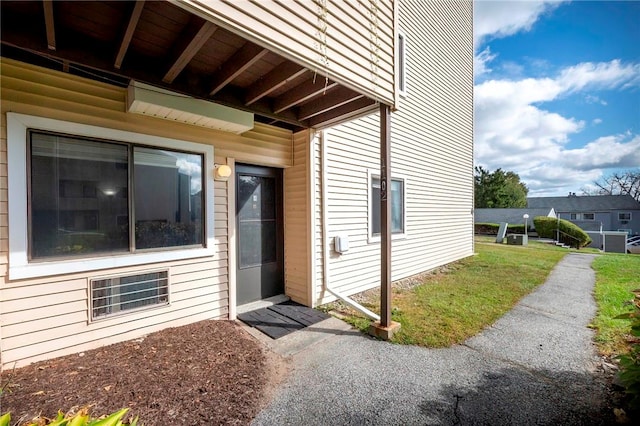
x=536, y=365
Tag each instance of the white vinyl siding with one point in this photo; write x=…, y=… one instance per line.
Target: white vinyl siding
x=355, y=49
x=431, y=147
x=58, y=307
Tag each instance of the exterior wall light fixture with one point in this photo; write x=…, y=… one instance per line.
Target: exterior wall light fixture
x=222, y=172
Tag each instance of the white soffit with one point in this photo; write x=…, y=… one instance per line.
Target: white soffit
x=156, y=102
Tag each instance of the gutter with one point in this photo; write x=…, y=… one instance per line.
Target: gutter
x=325, y=239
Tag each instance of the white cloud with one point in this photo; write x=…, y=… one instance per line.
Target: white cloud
x=603, y=75
x=550, y=179
x=497, y=19
x=591, y=99
x=617, y=151
x=597, y=120
x=514, y=131
x=481, y=60
x=189, y=164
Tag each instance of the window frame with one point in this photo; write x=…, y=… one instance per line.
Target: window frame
x=121, y=313
x=131, y=176
x=20, y=267
x=402, y=64
x=628, y=218
x=581, y=216
x=376, y=238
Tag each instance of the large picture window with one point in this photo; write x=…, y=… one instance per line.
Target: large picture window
x=89, y=197
x=101, y=198
x=397, y=206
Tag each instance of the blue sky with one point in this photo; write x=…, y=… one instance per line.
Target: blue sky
x=557, y=90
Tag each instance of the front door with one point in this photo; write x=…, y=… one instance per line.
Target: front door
x=260, y=266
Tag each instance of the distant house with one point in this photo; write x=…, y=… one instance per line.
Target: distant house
x=511, y=216
x=595, y=212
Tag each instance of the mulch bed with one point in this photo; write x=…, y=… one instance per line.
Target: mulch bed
x=210, y=372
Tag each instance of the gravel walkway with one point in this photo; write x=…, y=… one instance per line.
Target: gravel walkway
x=536, y=365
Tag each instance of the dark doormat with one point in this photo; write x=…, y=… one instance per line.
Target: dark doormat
x=279, y=320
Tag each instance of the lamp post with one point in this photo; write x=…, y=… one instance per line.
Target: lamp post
x=525, y=216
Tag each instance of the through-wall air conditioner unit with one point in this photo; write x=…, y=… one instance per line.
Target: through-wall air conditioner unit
x=160, y=103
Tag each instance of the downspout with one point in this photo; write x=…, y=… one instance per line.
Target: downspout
x=325, y=238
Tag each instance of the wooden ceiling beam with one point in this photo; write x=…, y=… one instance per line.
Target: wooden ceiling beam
x=128, y=33
x=233, y=98
x=49, y=24
x=333, y=99
x=248, y=55
x=348, y=111
x=278, y=77
x=301, y=93
x=186, y=48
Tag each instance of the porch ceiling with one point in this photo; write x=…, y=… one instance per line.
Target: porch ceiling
x=162, y=44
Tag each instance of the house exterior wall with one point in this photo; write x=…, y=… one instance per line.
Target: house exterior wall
x=431, y=150
x=351, y=42
x=600, y=218
x=610, y=221
x=298, y=256
x=605, y=208
x=46, y=316
x=633, y=224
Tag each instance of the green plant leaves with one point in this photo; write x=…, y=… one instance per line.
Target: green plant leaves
x=5, y=419
x=630, y=363
x=112, y=420
x=81, y=418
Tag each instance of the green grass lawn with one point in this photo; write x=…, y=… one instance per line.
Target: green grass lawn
x=617, y=275
x=466, y=296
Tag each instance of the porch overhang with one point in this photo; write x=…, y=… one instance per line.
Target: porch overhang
x=177, y=47
x=174, y=47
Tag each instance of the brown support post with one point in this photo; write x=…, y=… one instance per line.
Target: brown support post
x=385, y=215
x=385, y=328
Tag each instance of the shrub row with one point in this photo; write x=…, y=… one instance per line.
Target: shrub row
x=492, y=228
x=570, y=233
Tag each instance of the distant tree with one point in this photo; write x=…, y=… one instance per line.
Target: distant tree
x=618, y=183
x=499, y=189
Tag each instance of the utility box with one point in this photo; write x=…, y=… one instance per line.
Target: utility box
x=341, y=243
x=517, y=239
x=614, y=242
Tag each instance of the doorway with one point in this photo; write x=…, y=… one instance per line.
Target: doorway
x=260, y=233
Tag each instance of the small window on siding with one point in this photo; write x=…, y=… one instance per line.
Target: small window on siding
x=402, y=64
x=112, y=296
x=582, y=216
x=397, y=206
x=624, y=216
